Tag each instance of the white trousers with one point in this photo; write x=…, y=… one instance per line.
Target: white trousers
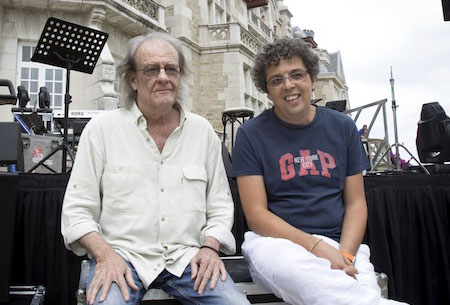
x=301, y=278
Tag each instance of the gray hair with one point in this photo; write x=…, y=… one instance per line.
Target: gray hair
x=283, y=48
x=128, y=66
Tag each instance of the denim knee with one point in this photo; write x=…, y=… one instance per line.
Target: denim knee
x=229, y=293
x=114, y=297
x=225, y=293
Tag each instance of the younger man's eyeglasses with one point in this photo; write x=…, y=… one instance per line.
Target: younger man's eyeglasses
x=293, y=77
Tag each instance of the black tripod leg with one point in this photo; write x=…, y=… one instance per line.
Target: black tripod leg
x=69, y=150
x=49, y=168
x=71, y=154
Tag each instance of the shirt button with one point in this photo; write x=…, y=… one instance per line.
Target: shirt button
x=161, y=162
x=148, y=140
x=162, y=190
x=163, y=219
x=74, y=186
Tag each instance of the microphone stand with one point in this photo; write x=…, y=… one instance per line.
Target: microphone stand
x=73, y=47
x=394, y=115
x=396, y=144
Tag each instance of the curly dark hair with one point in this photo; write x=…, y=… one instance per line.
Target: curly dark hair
x=283, y=48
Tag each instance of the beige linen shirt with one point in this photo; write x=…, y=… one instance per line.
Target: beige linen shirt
x=154, y=208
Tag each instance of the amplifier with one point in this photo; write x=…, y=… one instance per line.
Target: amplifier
x=37, y=147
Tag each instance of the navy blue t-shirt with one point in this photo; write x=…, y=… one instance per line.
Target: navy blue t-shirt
x=304, y=167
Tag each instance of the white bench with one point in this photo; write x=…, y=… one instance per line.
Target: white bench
x=236, y=267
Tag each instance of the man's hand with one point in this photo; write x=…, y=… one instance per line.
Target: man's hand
x=338, y=261
x=205, y=266
x=110, y=269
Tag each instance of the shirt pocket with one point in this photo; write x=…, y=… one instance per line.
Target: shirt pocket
x=122, y=189
x=195, y=181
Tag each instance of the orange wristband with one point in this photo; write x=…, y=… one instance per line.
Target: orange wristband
x=349, y=256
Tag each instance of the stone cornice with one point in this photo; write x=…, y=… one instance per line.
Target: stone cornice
x=132, y=16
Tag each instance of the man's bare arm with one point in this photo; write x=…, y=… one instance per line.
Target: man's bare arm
x=253, y=196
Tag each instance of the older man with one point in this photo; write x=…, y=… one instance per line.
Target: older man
x=148, y=198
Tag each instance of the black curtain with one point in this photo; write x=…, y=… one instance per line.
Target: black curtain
x=39, y=254
x=8, y=190
x=408, y=233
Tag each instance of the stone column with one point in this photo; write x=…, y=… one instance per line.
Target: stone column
x=8, y=58
x=101, y=94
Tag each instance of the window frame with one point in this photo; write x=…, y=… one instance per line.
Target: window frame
x=57, y=99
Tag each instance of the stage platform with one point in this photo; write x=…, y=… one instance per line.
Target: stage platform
x=408, y=232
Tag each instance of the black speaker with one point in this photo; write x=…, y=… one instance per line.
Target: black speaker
x=433, y=134
x=8, y=195
x=446, y=9
x=337, y=105
x=22, y=95
x=11, y=151
x=44, y=98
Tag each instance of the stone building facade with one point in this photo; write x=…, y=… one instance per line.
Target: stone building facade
x=330, y=84
x=220, y=39
x=21, y=25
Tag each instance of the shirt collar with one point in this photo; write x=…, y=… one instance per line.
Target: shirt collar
x=138, y=117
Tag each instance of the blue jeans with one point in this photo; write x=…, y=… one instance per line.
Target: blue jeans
x=181, y=288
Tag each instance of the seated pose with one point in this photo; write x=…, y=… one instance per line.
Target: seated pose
x=299, y=172
x=148, y=198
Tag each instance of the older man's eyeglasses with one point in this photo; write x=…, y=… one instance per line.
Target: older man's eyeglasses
x=153, y=71
x=293, y=77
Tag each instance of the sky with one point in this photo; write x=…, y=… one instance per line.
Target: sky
x=373, y=35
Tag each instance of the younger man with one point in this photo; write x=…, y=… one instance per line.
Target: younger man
x=299, y=172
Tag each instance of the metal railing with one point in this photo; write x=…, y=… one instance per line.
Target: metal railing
x=376, y=148
x=260, y=25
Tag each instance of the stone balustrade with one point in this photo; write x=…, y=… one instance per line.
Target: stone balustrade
x=224, y=35
x=148, y=7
